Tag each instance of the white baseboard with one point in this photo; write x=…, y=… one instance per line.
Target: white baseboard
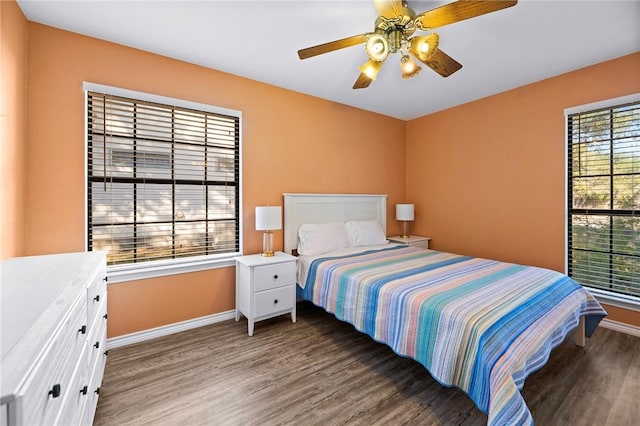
x=152, y=333
x=621, y=327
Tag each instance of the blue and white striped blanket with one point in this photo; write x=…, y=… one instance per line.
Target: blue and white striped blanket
x=478, y=324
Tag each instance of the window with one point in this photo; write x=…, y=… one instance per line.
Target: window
x=163, y=181
x=604, y=198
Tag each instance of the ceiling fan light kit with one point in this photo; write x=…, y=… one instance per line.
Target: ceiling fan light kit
x=393, y=32
x=409, y=67
x=371, y=68
x=377, y=47
x=423, y=47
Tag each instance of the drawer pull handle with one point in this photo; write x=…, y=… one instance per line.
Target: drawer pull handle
x=275, y=277
x=83, y=329
x=106, y=353
x=97, y=345
x=275, y=301
x=97, y=391
x=84, y=390
x=105, y=316
x=97, y=298
x=55, y=390
x=105, y=279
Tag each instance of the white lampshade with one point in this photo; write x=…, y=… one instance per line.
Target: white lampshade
x=404, y=212
x=268, y=218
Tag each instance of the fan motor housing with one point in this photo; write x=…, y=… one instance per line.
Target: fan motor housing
x=398, y=28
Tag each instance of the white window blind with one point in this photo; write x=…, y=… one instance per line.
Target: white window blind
x=604, y=198
x=163, y=180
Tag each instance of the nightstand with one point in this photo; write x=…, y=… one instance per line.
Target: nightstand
x=265, y=287
x=413, y=240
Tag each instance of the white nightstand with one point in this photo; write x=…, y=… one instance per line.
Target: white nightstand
x=265, y=287
x=413, y=240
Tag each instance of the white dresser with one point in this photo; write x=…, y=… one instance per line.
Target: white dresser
x=265, y=287
x=53, y=325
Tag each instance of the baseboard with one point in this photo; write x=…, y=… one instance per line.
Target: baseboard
x=165, y=330
x=152, y=333
x=621, y=327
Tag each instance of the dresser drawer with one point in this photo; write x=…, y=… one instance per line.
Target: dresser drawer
x=271, y=301
x=274, y=276
x=39, y=406
x=98, y=312
x=98, y=360
x=96, y=293
x=97, y=339
x=54, y=373
x=77, y=395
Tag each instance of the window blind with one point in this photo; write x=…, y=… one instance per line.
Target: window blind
x=163, y=180
x=604, y=198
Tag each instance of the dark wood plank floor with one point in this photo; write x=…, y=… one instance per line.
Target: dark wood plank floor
x=322, y=371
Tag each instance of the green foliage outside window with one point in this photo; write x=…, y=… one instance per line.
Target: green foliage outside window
x=604, y=199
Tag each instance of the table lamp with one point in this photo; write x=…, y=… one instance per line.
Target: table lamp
x=268, y=219
x=404, y=213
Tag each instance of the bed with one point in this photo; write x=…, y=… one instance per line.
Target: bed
x=478, y=324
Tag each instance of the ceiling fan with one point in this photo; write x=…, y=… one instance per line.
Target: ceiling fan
x=394, y=31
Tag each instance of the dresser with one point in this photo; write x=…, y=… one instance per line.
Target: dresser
x=265, y=287
x=53, y=325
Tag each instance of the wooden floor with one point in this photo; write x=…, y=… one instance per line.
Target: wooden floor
x=321, y=371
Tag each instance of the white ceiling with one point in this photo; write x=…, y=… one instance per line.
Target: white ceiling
x=259, y=40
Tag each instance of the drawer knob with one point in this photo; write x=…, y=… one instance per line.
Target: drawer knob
x=275, y=277
x=83, y=329
x=105, y=316
x=275, y=301
x=106, y=353
x=55, y=390
x=97, y=298
x=105, y=279
x=97, y=391
x=96, y=345
x=84, y=390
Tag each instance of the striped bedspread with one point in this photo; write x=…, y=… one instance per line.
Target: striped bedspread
x=478, y=324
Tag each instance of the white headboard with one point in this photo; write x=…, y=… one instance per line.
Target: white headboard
x=322, y=208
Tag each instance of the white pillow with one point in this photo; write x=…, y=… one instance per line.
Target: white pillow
x=365, y=233
x=318, y=238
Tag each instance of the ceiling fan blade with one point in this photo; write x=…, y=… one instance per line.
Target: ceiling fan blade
x=442, y=63
x=459, y=11
x=362, y=81
x=388, y=8
x=331, y=46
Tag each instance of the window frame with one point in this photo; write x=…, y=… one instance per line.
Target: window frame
x=163, y=267
x=608, y=297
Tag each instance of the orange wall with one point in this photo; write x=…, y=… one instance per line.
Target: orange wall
x=488, y=177
x=291, y=143
x=13, y=137
x=459, y=166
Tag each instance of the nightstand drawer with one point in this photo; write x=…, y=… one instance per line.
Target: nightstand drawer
x=272, y=301
x=413, y=241
x=274, y=276
x=420, y=244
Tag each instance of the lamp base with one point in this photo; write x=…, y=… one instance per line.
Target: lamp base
x=267, y=244
x=405, y=230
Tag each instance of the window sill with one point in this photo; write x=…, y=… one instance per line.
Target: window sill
x=119, y=274
x=620, y=301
